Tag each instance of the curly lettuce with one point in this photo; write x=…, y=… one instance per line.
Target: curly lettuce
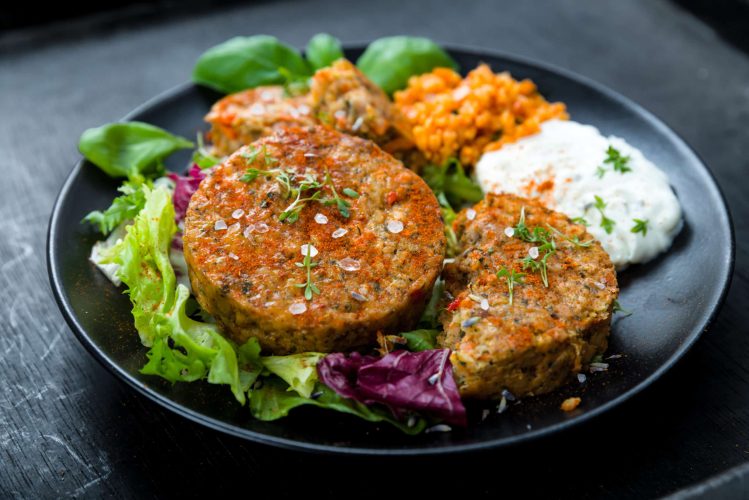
x=181, y=349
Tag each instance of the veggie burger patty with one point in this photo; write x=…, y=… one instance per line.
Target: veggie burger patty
x=510, y=331
x=374, y=227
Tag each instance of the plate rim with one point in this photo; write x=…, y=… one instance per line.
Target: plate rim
x=65, y=307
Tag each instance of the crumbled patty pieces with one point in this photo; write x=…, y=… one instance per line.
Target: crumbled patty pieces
x=243, y=269
x=340, y=96
x=344, y=97
x=535, y=344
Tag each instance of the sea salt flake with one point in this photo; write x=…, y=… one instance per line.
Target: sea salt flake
x=484, y=304
x=339, y=232
x=261, y=227
x=237, y=213
x=349, y=264
x=357, y=124
x=257, y=109
x=233, y=256
x=297, y=308
x=308, y=248
x=470, y=214
x=248, y=230
x=533, y=252
x=395, y=226
x=321, y=219
x=220, y=225
x=509, y=232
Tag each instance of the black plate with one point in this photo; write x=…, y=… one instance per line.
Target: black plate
x=674, y=298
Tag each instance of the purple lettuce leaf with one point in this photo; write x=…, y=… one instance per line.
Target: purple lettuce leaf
x=184, y=189
x=404, y=381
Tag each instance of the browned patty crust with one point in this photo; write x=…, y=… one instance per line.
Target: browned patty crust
x=535, y=344
x=242, y=260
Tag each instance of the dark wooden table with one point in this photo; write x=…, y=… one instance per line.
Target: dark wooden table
x=68, y=428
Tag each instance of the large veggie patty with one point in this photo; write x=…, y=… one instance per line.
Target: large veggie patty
x=369, y=271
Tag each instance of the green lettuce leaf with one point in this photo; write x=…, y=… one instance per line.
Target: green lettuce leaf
x=297, y=370
x=273, y=400
x=182, y=349
x=124, y=208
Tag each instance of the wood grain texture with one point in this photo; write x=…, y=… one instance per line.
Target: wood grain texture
x=68, y=428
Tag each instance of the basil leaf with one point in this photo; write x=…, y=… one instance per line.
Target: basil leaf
x=322, y=50
x=391, y=61
x=246, y=62
x=130, y=149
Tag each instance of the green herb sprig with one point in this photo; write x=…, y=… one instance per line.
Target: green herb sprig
x=546, y=246
x=309, y=287
x=575, y=240
x=512, y=279
x=617, y=308
x=296, y=186
x=606, y=223
x=618, y=162
x=344, y=206
x=641, y=226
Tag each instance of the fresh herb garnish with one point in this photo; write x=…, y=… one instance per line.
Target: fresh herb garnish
x=619, y=309
x=618, y=162
x=641, y=226
x=575, y=240
x=580, y=220
x=344, y=206
x=606, y=223
x=546, y=246
x=309, y=286
x=295, y=188
x=309, y=182
x=350, y=192
x=512, y=279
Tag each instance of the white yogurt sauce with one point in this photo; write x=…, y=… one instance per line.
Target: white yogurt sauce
x=560, y=165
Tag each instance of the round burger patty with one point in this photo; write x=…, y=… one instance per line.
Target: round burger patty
x=371, y=271
x=536, y=343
